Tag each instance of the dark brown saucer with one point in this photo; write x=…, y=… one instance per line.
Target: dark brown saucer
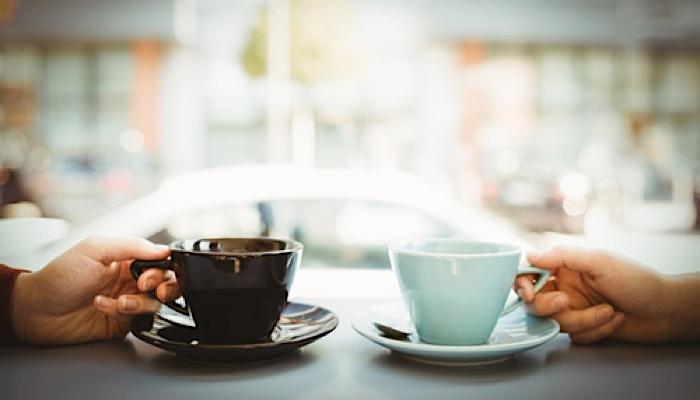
x=299, y=325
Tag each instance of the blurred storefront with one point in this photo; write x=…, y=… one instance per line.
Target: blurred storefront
x=562, y=117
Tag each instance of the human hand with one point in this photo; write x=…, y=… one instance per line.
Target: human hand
x=88, y=293
x=596, y=295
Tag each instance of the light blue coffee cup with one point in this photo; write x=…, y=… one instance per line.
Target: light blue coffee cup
x=455, y=290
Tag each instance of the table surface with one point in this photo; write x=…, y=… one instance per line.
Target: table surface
x=345, y=365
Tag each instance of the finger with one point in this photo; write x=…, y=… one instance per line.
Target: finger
x=525, y=282
x=130, y=304
x=168, y=291
x=107, y=306
x=108, y=249
x=126, y=305
x=600, y=332
x=575, y=321
x=150, y=279
x=574, y=258
x=523, y=286
x=548, y=303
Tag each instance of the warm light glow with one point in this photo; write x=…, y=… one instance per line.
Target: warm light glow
x=132, y=141
x=575, y=206
x=574, y=184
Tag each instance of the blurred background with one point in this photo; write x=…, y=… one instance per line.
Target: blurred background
x=555, y=120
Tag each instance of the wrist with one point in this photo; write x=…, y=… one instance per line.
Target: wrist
x=20, y=305
x=683, y=292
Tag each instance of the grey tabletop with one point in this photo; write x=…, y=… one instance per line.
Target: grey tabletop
x=345, y=365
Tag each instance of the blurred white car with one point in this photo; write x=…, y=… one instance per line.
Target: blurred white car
x=345, y=218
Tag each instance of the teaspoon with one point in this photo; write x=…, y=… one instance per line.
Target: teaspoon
x=392, y=333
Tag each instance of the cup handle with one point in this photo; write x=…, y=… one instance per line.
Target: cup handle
x=528, y=269
x=139, y=266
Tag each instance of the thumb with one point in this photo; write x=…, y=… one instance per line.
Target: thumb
x=108, y=249
x=574, y=258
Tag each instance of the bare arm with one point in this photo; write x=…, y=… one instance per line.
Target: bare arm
x=597, y=294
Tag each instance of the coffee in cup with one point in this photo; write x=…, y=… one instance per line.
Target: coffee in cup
x=235, y=289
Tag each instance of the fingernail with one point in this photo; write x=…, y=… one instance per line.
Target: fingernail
x=128, y=304
x=604, y=314
x=534, y=254
x=101, y=300
x=161, y=247
x=559, y=301
x=521, y=292
x=113, y=267
x=150, y=284
x=619, y=316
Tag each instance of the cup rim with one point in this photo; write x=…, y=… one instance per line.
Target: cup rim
x=295, y=246
x=399, y=247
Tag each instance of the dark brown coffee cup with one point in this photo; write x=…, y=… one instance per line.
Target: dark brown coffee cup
x=235, y=289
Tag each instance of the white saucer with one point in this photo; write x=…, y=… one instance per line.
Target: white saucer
x=514, y=333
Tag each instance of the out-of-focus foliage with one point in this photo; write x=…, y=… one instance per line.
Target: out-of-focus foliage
x=321, y=42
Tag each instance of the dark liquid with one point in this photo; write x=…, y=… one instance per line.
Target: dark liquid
x=236, y=315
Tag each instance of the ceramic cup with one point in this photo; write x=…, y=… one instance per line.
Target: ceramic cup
x=235, y=289
x=455, y=290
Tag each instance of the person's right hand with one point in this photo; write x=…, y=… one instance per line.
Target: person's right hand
x=595, y=294
x=88, y=293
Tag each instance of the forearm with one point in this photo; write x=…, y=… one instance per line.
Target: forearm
x=684, y=291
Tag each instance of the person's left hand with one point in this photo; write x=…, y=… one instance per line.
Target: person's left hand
x=88, y=293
